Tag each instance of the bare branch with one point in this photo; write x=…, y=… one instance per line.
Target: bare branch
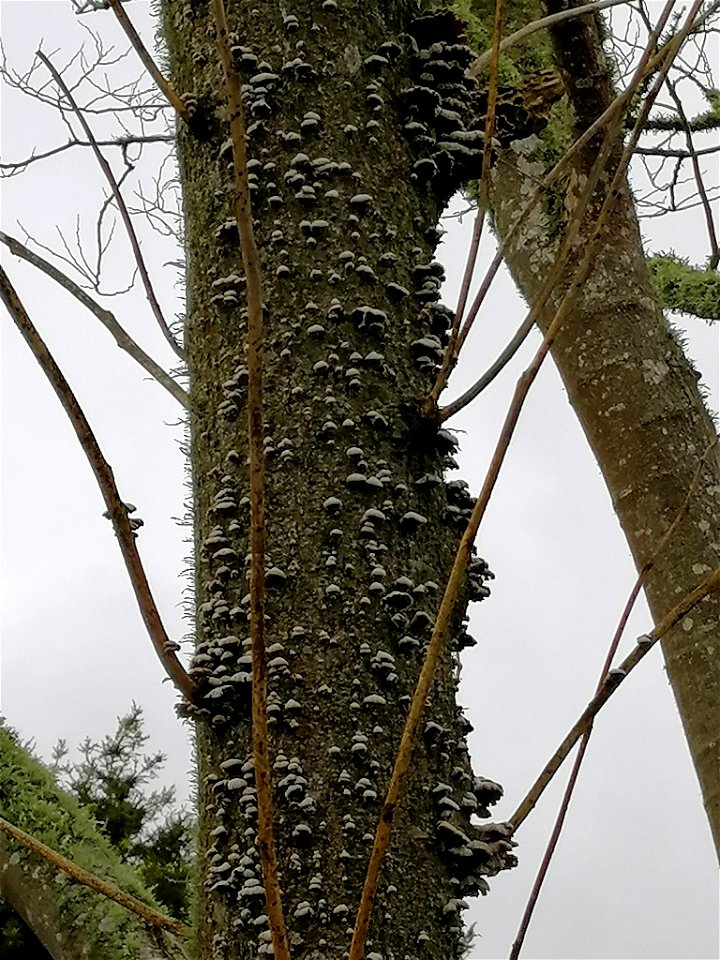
x=683, y=154
x=106, y=317
x=254, y=292
x=175, y=101
x=91, y=880
x=18, y=166
x=714, y=258
x=648, y=63
x=155, y=306
x=604, y=674
x=164, y=648
x=710, y=584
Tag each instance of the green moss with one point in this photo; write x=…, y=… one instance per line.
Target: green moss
x=30, y=799
x=685, y=288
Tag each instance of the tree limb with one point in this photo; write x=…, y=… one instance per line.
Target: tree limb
x=710, y=584
x=106, y=317
x=106, y=481
x=88, y=879
x=585, y=740
x=177, y=102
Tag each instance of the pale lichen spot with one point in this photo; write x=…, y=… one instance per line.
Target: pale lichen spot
x=655, y=371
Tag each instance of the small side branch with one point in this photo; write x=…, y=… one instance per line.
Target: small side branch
x=91, y=880
x=122, y=208
x=106, y=481
x=19, y=166
x=106, y=317
x=175, y=101
x=251, y=265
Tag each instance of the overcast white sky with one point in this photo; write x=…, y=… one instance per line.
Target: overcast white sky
x=634, y=875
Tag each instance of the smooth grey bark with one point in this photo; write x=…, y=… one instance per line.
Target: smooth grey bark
x=352, y=157
x=637, y=397
x=70, y=921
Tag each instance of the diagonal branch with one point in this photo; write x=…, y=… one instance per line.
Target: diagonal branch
x=106, y=317
x=711, y=584
x=251, y=266
x=106, y=481
x=604, y=674
x=173, y=98
x=91, y=880
x=714, y=258
x=608, y=118
x=477, y=67
x=134, y=243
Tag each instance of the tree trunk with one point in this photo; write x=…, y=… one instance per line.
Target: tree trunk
x=70, y=921
x=345, y=141
x=637, y=398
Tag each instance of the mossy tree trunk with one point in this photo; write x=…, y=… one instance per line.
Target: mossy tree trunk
x=352, y=110
x=68, y=921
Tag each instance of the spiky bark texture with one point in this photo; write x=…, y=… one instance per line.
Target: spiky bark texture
x=351, y=112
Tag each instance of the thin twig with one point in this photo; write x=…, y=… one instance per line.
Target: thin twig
x=254, y=293
x=451, y=350
x=87, y=879
x=612, y=680
x=134, y=243
x=714, y=258
x=106, y=317
x=668, y=152
x=457, y=573
x=18, y=166
x=176, y=102
x=477, y=66
x=106, y=481
x=490, y=274
x=422, y=690
x=585, y=740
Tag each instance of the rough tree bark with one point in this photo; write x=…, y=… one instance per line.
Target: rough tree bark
x=345, y=138
x=637, y=398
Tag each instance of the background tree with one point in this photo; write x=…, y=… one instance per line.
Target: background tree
x=311, y=237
